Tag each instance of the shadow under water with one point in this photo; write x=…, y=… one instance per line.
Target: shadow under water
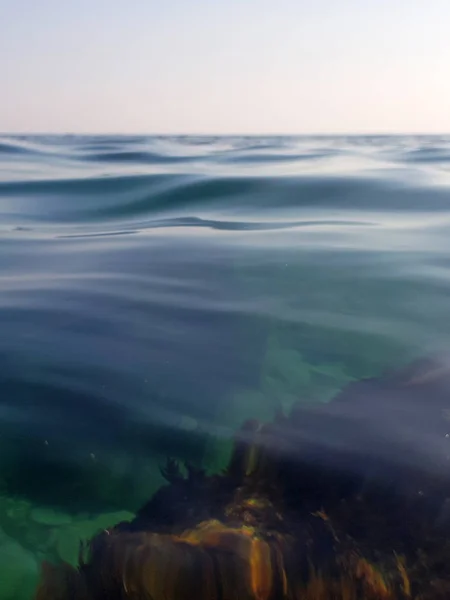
x=337, y=501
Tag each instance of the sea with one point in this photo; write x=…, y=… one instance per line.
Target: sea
x=158, y=291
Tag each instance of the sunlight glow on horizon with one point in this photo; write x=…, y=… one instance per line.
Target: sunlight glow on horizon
x=235, y=67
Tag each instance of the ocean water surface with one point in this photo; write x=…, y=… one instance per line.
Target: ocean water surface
x=155, y=292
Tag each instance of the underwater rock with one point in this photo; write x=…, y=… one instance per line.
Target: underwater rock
x=288, y=377
x=67, y=544
x=339, y=501
x=68, y=539
x=188, y=423
x=16, y=523
x=104, y=521
x=240, y=406
x=18, y=510
x=50, y=517
x=19, y=571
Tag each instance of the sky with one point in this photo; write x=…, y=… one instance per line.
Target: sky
x=225, y=66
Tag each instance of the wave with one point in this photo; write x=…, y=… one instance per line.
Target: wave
x=247, y=200
x=163, y=280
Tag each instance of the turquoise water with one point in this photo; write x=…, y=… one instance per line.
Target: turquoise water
x=157, y=291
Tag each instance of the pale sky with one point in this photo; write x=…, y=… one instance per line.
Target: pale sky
x=225, y=66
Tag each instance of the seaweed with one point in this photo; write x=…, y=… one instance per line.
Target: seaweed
x=338, y=501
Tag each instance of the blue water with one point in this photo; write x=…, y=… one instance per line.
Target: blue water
x=156, y=291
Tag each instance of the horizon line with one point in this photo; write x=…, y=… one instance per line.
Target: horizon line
x=236, y=134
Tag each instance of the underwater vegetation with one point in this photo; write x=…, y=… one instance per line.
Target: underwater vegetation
x=343, y=500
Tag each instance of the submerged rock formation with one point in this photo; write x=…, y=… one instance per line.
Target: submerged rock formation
x=341, y=501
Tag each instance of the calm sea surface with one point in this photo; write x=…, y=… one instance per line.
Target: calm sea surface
x=157, y=291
